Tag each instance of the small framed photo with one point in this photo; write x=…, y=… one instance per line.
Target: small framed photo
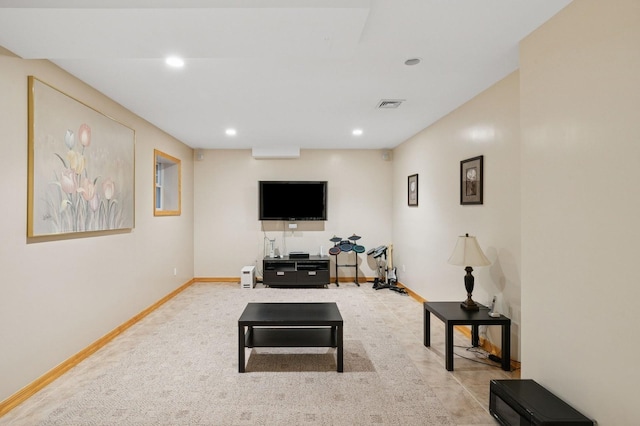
x=412, y=190
x=471, y=190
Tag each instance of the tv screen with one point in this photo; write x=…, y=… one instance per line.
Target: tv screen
x=293, y=200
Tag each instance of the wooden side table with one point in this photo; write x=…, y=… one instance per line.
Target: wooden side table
x=452, y=314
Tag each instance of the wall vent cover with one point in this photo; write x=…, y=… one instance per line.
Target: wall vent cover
x=390, y=103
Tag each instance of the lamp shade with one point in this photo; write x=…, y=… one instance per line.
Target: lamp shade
x=468, y=253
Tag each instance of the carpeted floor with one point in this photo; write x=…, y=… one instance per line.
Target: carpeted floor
x=179, y=366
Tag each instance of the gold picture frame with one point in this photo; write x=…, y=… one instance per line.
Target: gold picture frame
x=81, y=176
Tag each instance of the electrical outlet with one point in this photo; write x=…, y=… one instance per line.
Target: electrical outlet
x=404, y=269
x=175, y=271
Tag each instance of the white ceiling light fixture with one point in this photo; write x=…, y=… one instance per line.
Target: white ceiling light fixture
x=230, y=132
x=357, y=132
x=174, y=61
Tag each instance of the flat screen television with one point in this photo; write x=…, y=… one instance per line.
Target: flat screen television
x=293, y=200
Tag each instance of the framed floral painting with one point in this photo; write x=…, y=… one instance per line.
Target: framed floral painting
x=81, y=166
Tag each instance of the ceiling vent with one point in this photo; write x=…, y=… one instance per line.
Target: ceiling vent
x=390, y=103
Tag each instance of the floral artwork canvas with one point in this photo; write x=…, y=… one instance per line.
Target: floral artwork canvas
x=81, y=166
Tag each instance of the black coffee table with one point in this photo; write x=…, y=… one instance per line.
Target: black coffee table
x=291, y=325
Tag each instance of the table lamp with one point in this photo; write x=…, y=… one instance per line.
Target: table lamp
x=468, y=253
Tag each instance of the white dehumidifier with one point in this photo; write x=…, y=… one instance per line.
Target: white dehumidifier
x=248, y=277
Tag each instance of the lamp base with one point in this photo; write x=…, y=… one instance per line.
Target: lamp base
x=469, y=305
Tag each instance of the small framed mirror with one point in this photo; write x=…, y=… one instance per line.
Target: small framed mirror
x=167, y=185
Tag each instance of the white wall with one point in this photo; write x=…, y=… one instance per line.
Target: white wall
x=580, y=79
x=57, y=297
x=424, y=236
x=228, y=234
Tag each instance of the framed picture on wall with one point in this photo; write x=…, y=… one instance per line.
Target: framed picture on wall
x=471, y=190
x=81, y=167
x=412, y=190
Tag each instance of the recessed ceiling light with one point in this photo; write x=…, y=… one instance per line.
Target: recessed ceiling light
x=230, y=132
x=412, y=61
x=357, y=132
x=174, y=61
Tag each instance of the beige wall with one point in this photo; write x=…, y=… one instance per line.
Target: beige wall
x=580, y=103
x=567, y=127
x=58, y=297
x=424, y=236
x=228, y=234
x=559, y=139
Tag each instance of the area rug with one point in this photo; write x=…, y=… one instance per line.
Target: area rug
x=179, y=366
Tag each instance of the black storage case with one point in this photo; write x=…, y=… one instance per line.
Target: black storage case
x=525, y=402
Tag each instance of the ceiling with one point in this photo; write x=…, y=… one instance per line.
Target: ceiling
x=283, y=73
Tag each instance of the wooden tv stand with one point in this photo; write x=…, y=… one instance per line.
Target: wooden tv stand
x=284, y=271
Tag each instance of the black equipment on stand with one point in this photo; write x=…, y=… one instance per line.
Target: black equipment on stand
x=335, y=250
x=386, y=272
x=348, y=245
x=381, y=270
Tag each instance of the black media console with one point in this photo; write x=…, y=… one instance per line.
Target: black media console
x=285, y=271
x=526, y=403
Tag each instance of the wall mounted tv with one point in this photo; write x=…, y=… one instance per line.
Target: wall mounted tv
x=293, y=200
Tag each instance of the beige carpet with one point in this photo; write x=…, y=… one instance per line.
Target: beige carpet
x=179, y=367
